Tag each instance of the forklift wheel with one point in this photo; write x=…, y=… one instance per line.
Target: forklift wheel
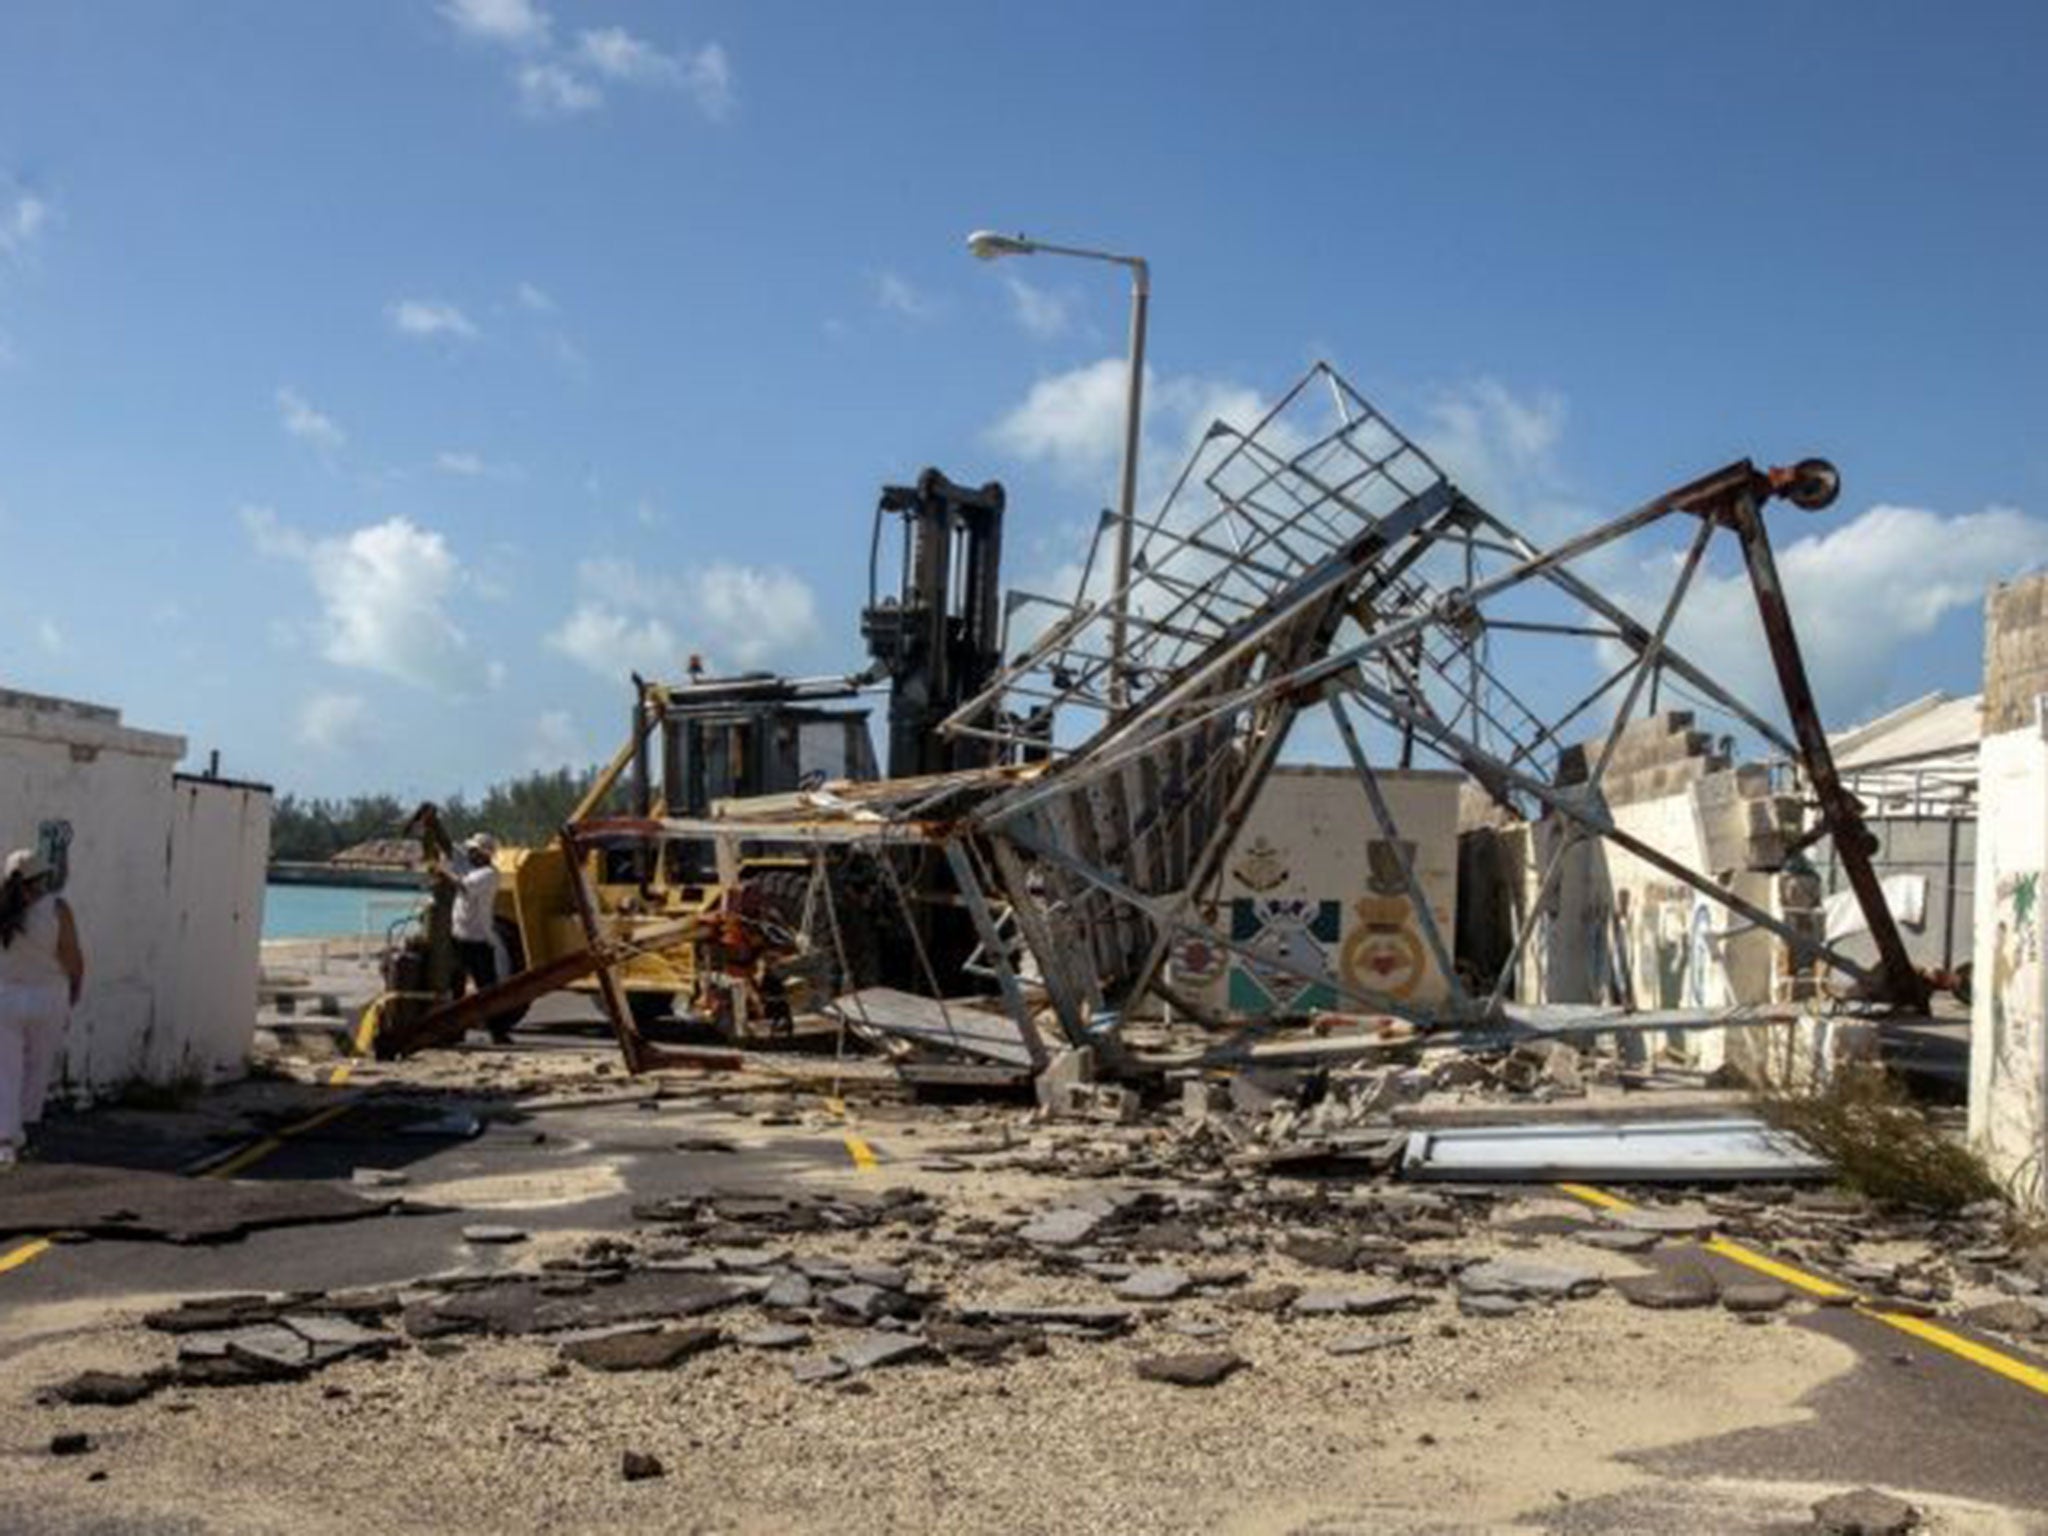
x=648, y=1007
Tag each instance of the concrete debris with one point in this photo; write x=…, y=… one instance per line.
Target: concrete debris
x=660, y=1350
x=1527, y=1278
x=1488, y=1305
x=639, y=1466
x=2020, y=1318
x=874, y=1350
x=1367, y=1343
x=1670, y=1291
x=1158, y=1284
x=1754, y=1296
x=1330, y=1303
x=104, y=1389
x=1202, y=1369
x=492, y=1236
x=776, y=1336
x=1864, y=1512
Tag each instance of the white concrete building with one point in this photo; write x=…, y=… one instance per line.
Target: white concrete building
x=166, y=876
x=2009, y=1005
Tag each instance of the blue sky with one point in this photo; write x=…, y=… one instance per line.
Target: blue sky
x=379, y=382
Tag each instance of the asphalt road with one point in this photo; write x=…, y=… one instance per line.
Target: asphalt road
x=1910, y=1414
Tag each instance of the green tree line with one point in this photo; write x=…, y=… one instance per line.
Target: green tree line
x=524, y=810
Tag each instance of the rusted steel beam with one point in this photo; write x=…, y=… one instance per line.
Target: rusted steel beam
x=1838, y=808
x=631, y=1045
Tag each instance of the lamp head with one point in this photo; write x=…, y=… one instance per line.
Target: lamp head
x=988, y=245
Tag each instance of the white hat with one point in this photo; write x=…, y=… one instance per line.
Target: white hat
x=27, y=863
x=481, y=843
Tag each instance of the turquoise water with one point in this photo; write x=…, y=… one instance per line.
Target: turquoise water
x=330, y=911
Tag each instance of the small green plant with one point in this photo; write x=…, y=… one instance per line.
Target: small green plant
x=1881, y=1143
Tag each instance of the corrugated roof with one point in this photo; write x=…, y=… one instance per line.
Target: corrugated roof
x=1929, y=726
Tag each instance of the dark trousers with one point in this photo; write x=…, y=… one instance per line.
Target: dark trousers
x=478, y=962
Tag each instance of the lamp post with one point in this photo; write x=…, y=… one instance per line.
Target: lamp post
x=989, y=246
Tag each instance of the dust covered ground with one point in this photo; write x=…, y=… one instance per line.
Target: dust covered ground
x=1579, y=1411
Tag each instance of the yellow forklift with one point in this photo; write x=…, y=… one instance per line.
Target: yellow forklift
x=679, y=935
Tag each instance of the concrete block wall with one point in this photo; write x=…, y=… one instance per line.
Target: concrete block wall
x=1617, y=928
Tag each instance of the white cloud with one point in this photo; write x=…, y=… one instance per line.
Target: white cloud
x=50, y=637
x=550, y=90
x=1501, y=449
x=1073, y=422
x=429, y=317
x=1863, y=595
x=896, y=293
x=23, y=218
x=557, y=743
x=473, y=466
x=739, y=616
x=707, y=76
x=619, y=55
x=384, y=592
x=515, y=23
x=334, y=722
x=534, y=297
x=612, y=643
x=1042, y=313
x=301, y=420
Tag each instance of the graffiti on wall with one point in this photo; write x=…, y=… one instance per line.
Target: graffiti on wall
x=1384, y=953
x=2015, y=972
x=1286, y=936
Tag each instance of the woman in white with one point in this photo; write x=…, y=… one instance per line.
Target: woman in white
x=41, y=972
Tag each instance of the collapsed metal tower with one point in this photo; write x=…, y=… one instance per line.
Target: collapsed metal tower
x=1318, y=563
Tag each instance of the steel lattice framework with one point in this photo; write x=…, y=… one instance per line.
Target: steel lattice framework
x=1322, y=561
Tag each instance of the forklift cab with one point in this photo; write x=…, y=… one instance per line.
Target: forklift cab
x=714, y=748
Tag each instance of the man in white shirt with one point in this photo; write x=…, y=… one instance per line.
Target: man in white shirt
x=475, y=878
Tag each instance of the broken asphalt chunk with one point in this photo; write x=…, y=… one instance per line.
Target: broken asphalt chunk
x=104, y=1389
x=639, y=1466
x=872, y=1351
x=1864, y=1512
x=1333, y=1303
x=1673, y=1291
x=1204, y=1368
x=661, y=1350
x=1158, y=1284
x=1752, y=1297
x=1367, y=1343
x=1527, y=1277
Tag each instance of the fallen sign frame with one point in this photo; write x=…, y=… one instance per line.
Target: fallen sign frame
x=1624, y=1152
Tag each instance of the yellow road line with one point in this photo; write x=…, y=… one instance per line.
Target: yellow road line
x=15, y=1258
x=1599, y=1197
x=863, y=1155
x=1993, y=1360
x=1969, y=1349
x=233, y=1164
x=1764, y=1265
x=254, y=1153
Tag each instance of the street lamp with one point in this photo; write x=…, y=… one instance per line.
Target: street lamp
x=989, y=245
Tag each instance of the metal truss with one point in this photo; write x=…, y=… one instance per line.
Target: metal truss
x=1322, y=561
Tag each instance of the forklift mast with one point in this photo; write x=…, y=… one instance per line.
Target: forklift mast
x=939, y=640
